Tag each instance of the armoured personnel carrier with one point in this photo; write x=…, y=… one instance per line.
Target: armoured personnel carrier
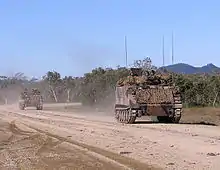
x=147, y=94
x=31, y=98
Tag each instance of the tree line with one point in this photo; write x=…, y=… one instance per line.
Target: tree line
x=98, y=87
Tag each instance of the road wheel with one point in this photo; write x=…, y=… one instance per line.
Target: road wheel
x=124, y=116
x=177, y=116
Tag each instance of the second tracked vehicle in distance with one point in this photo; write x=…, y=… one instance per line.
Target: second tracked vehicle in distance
x=147, y=95
x=31, y=98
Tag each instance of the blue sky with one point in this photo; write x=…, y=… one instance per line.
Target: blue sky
x=74, y=36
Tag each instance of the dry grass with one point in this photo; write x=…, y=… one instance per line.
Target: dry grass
x=206, y=115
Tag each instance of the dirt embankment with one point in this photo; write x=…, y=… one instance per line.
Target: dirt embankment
x=168, y=146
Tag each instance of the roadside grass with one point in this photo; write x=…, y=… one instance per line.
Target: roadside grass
x=203, y=115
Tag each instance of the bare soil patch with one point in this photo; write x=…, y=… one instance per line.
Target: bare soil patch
x=21, y=149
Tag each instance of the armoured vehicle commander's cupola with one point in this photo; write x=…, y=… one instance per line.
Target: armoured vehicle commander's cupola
x=136, y=71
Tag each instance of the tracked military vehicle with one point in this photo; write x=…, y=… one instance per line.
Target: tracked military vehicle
x=31, y=98
x=147, y=95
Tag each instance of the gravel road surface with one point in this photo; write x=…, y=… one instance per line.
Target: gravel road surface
x=137, y=146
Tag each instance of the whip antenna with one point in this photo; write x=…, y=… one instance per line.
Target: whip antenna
x=126, y=52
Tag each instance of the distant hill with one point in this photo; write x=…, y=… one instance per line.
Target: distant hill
x=188, y=69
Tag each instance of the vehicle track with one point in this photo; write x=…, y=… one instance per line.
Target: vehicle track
x=106, y=155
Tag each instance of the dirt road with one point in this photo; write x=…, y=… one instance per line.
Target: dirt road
x=29, y=149
x=167, y=146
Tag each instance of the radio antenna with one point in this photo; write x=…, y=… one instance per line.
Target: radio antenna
x=172, y=59
x=172, y=50
x=126, y=52
x=163, y=51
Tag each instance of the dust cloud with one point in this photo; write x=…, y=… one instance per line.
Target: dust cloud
x=10, y=94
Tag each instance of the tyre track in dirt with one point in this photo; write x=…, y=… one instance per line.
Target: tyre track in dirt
x=113, y=161
x=112, y=157
x=46, y=152
x=145, y=144
x=15, y=154
x=79, y=127
x=85, y=116
x=191, y=130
